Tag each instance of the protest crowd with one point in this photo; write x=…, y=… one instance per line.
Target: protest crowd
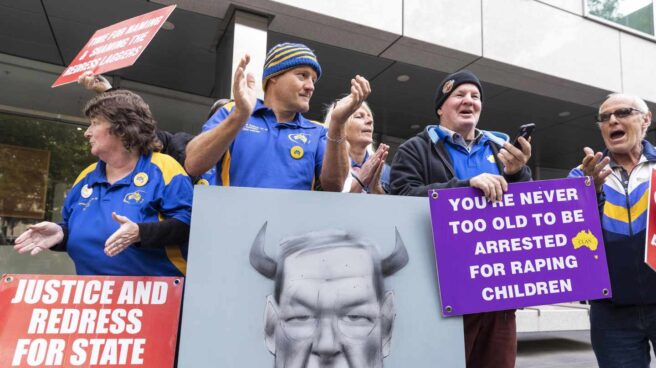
x=268, y=143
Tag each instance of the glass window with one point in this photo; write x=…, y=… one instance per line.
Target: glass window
x=39, y=161
x=633, y=14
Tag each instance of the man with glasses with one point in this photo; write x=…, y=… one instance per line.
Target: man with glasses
x=621, y=327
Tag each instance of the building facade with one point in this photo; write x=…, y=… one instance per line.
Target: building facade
x=550, y=62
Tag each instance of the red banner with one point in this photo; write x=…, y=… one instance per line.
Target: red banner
x=650, y=244
x=116, y=46
x=73, y=321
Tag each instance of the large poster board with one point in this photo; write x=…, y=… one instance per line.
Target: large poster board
x=88, y=321
x=116, y=46
x=23, y=181
x=542, y=244
x=327, y=303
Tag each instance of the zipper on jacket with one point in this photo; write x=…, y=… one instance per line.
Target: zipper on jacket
x=628, y=209
x=625, y=185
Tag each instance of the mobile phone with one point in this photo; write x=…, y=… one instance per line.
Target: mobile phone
x=524, y=131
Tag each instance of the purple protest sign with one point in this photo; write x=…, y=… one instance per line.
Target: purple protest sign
x=541, y=245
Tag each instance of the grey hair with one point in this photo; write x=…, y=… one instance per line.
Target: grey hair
x=638, y=102
x=319, y=240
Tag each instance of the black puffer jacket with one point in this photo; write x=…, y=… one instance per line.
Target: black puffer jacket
x=421, y=165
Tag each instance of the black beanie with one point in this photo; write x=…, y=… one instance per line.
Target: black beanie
x=451, y=82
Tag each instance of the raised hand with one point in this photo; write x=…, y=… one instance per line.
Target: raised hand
x=594, y=166
x=127, y=233
x=371, y=171
x=360, y=90
x=243, y=90
x=96, y=83
x=43, y=235
x=375, y=185
x=512, y=158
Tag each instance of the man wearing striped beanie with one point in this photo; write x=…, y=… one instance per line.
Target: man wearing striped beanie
x=268, y=143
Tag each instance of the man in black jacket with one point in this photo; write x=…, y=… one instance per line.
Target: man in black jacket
x=456, y=154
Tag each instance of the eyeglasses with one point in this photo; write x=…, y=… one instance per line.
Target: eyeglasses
x=620, y=113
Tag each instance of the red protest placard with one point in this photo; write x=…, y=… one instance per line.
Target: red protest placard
x=73, y=321
x=116, y=46
x=650, y=243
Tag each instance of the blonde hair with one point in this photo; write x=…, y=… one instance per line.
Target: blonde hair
x=329, y=112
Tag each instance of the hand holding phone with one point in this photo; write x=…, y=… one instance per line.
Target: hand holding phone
x=524, y=131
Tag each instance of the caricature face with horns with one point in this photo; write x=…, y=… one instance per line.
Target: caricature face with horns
x=329, y=307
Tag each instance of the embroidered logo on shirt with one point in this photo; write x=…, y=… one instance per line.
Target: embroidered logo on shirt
x=296, y=152
x=86, y=192
x=491, y=159
x=140, y=179
x=254, y=128
x=134, y=197
x=87, y=203
x=299, y=138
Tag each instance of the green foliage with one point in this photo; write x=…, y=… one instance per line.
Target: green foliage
x=641, y=19
x=606, y=9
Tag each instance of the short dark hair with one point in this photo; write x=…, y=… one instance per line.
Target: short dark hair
x=129, y=117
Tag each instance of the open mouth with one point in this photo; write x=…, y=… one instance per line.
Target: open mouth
x=618, y=134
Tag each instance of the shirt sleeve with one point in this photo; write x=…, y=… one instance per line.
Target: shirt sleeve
x=176, y=198
x=67, y=209
x=158, y=234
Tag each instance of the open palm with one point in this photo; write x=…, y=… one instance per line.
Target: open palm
x=243, y=89
x=43, y=235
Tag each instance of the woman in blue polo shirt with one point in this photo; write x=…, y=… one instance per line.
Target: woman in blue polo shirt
x=129, y=213
x=369, y=172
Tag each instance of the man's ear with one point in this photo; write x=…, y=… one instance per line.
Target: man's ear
x=439, y=112
x=647, y=122
x=387, y=314
x=271, y=320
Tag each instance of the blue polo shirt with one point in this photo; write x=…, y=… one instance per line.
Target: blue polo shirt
x=467, y=163
x=157, y=188
x=268, y=154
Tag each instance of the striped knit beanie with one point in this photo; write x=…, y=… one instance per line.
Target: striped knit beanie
x=286, y=56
